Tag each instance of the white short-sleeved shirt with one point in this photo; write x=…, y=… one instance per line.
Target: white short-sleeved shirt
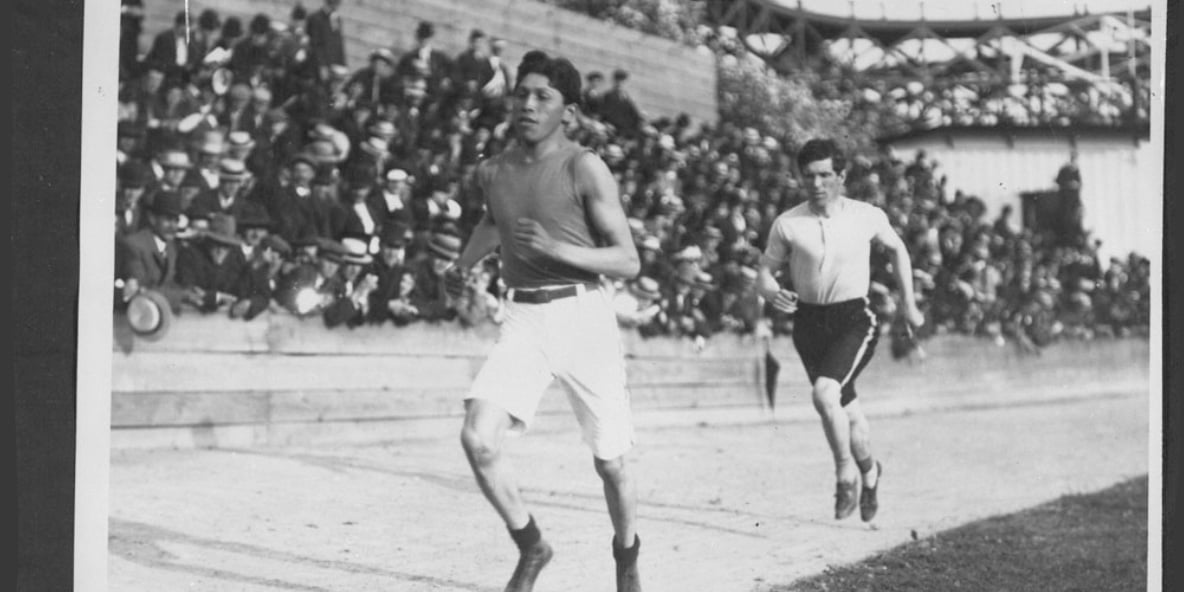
x=829, y=257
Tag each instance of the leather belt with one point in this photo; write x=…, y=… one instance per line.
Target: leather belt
x=545, y=295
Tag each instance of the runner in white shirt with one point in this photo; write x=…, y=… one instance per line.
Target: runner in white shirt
x=825, y=244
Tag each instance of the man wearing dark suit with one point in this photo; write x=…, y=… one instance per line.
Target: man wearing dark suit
x=432, y=64
x=147, y=258
x=390, y=300
x=473, y=68
x=361, y=220
x=228, y=197
x=135, y=182
x=376, y=83
x=212, y=268
x=172, y=54
x=325, y=38
x=618, y=109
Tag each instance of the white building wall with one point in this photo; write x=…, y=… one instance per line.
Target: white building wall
x=1119, y=176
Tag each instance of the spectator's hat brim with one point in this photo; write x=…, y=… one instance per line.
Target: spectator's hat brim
x=149, y=315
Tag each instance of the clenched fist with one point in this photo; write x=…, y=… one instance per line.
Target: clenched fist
x=532, y=238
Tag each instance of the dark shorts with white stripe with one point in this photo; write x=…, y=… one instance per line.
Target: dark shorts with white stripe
x=835, y=341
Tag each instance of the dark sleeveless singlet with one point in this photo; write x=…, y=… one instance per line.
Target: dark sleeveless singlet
x=544, y=191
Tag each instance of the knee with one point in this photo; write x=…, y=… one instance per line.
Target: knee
x=480, y=447
x=826, y=397
x=612, y=471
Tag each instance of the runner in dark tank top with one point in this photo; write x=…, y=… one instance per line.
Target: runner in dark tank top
x=553, y=208
x=545, y=191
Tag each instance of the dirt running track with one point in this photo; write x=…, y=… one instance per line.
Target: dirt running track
x=726, y=506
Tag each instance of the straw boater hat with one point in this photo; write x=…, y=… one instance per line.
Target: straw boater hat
x=331, y=250
x=304, y=157
x=383, y=54
x=375, y=146
x=704, y=280
x=174, y=159
x=240, y=139
x=149, y=315
x=651, y=243
x=396, y=174
x=691, y=253
x=324, y=152
x=646, y=287
x=233, y=169
x=211, y=142
x=356, y=251
x=445, y=246
x=383, y=128
x=328, y=133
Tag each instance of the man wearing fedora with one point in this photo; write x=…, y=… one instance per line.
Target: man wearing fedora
x=228, y=197
x=210, y=147
x=638, y=303
x=326, y=38
x=135, y=182
x=552, y=206
x=360, y=219
x=429, y=296
x=308, y=287
x=289, y=205
x=147, y=258
x=352, y=286
x=212, y=266
x=173, y=165
x=172, y=53
x=391, y=199
x=391, y=299
x=376, y=83
x=425, y=60
x=258, y=283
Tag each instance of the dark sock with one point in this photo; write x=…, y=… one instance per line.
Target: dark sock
x=526, y=536
x=866, y=464
x=626, y=556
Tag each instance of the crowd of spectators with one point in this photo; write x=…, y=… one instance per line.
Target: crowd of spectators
x=258, y=173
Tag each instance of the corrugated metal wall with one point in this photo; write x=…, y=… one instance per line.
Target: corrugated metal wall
x=667, y=78
x=1123, y=206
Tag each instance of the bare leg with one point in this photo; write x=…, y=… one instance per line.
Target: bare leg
x=836, y=425
x=482, y=437
x=620, y=494
x=861, y=443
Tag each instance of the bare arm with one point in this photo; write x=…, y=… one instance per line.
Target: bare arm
x=481, y=243
x=767, y=286
x=617, y=258
x=766, y=283
x=902, y=265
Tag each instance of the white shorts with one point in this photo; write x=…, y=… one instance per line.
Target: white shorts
x=575, y=339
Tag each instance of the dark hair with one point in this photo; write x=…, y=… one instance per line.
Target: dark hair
x=299, y=13
x=595, y=75
x=822, y=149
x=181, y=18
x=209, y=20
x=232, y=28
x=561, y=73
x=476, y=34
x=261, y=24
x=425, y=30
x=620, y=74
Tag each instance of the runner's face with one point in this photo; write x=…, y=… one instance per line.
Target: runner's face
x=539, y=110
x=821, y=181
